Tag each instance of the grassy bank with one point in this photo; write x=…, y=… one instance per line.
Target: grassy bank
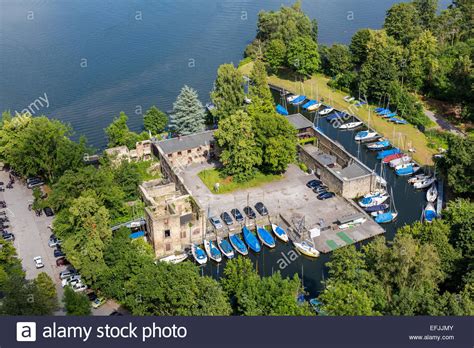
x=212, y=176
x=403, y=136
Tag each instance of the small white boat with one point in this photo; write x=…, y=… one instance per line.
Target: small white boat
x=212, y=251
x=424, y=183
x=397, y=161
x=353, y=223
x=174, y=259
x=366, y=136
x=417, y=178
x=326, y=111
x=429, y=214
x=199, y=254
x=280, y=233
x=432, y=193
x=373, y=198
x=306, y=248
x=314, y=107
x=292, y=97
x=350, y=125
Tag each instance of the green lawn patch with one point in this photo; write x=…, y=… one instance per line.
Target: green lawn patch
x=332, y=244
x=145, y=171
x=226, y=184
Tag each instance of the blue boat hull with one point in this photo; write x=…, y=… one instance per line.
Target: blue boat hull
x=251, y=240
x=265, y=237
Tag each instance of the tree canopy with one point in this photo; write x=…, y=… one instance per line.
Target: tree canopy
x=155, y=120
x=228, y=93
x=188, y=113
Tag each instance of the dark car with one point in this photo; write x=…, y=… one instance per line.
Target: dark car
x=250, y=212
x=237, y=215
x=48, y=211
x=8, y=237
x=225, y=216
x=326, y=195
x=59, y=253
x=62, y=261
x=115, y=313
x=262, y=210
x=92, y=296
x=320, y=189
x=314, y=183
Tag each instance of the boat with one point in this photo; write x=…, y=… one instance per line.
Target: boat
x=326, y=111
x=314, y=107
x=389, y=115
x=429, y=214
x=385, y=218
x=418, y=177
x=378, y=207
x=384, y=112
x=306, y=248
x=432, y=193
x=336, y=116
x=225, y=247
x=280, y=233
x=212, y=251
x=281, y=110
x=398, y=120
x=298, y=100
x=251, y=240
x=265, y=237
x=198, y=254
x=316, y=305
x=397, y=161
x=348, y=98
x=366, y=136
x=238, y=244
x=380, y=180
x=353, y=223
x=392, y=157
x=372, y=199
x=292, y=97
x=385, y=153
x=406, y=169
x=350, y=125
x=424, y=183
x=309, y=103
x=174, y=259
x=379, y=145
x=210, y=107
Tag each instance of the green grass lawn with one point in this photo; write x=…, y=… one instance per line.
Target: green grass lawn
x=145, y=173
x=212, y=176
x=403, y=136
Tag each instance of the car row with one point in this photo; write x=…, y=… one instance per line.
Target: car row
x=227, y=218
x=320, y=189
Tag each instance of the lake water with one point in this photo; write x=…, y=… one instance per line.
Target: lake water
x=92, y=59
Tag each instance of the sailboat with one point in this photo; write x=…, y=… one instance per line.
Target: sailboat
x=373, y=198
x=377, y=208
x=350, y=125
x=389, y=216
x=406, y=169
x=306, y=248
x=281, y=110
x=265, y=237
x=292, y=97
x=314, y=107
x=392, y=157
x=212, y=251
x=326, y=111
x=174, y=259
x=251, y=240
x=379, y=145
x=424, y=183
x=419, y=177
x=366, y=135
x=225, y=247
x=238, y=244
x=397, y=161
x=280, y=233
x=432, y=193
x=429, y=214
x=198, y=254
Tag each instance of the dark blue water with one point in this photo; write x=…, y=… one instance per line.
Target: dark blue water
x=95, y=58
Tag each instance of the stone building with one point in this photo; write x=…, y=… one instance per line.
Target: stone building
x=174, y=220
x=141, y=152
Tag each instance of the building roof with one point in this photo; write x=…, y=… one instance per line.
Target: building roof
x=299, y=121
x=186, y=142
x=353, y=170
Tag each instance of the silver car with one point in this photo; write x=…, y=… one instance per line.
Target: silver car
x=216, y=222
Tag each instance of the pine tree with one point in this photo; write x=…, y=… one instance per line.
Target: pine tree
x=188, y=113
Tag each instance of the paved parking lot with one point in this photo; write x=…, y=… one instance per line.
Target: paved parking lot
x=31, y=239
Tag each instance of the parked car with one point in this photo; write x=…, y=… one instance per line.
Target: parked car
x=78, y=287
x=54, y=242
x=58, y=253
x=91, y=296
x=216, y=222
x=250, y=212
x=67, y=273
x=74, y=279
x=33, y=179
x=8, y=237
x=62, y=261
x=237, y=215
x=99, y=301
x=38, y=261
x=314, y=183
x=34, y=184
x=326, y=195
x=115, y=314
x=48, y=211
x=320, y=189
x=262, y=209
x=225, y=216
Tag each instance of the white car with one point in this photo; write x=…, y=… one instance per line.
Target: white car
x=78, y=287
x=54, y=242
x=38, y=262
x=216, y=222
x=72, y=280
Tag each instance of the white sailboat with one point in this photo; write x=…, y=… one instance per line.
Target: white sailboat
x=424, y=183
x=306, y=248
x=174, y=259
x=212, y=251
x=432, y=193
x=326, y=111
x=350, y=125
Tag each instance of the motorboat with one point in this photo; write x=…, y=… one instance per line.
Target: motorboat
x=306, y=248
x=385, y=153
x=225, y=247
x=424, y=183
x=280, y=233
x=379, y=145
x=265, y=237
x=392, y=157
x=350, y=125
x=174, y=259
x=292, y=97
x=406, y=169
x=314, y=107
x=212, y=251
x=366, y=136
x=377, y=208
x=432, y=193
x=418, y=177
x=199, y=254
x=397, y=161
x=372, y=199
x=429, y=214
x=326, y=111
x=251, y=240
